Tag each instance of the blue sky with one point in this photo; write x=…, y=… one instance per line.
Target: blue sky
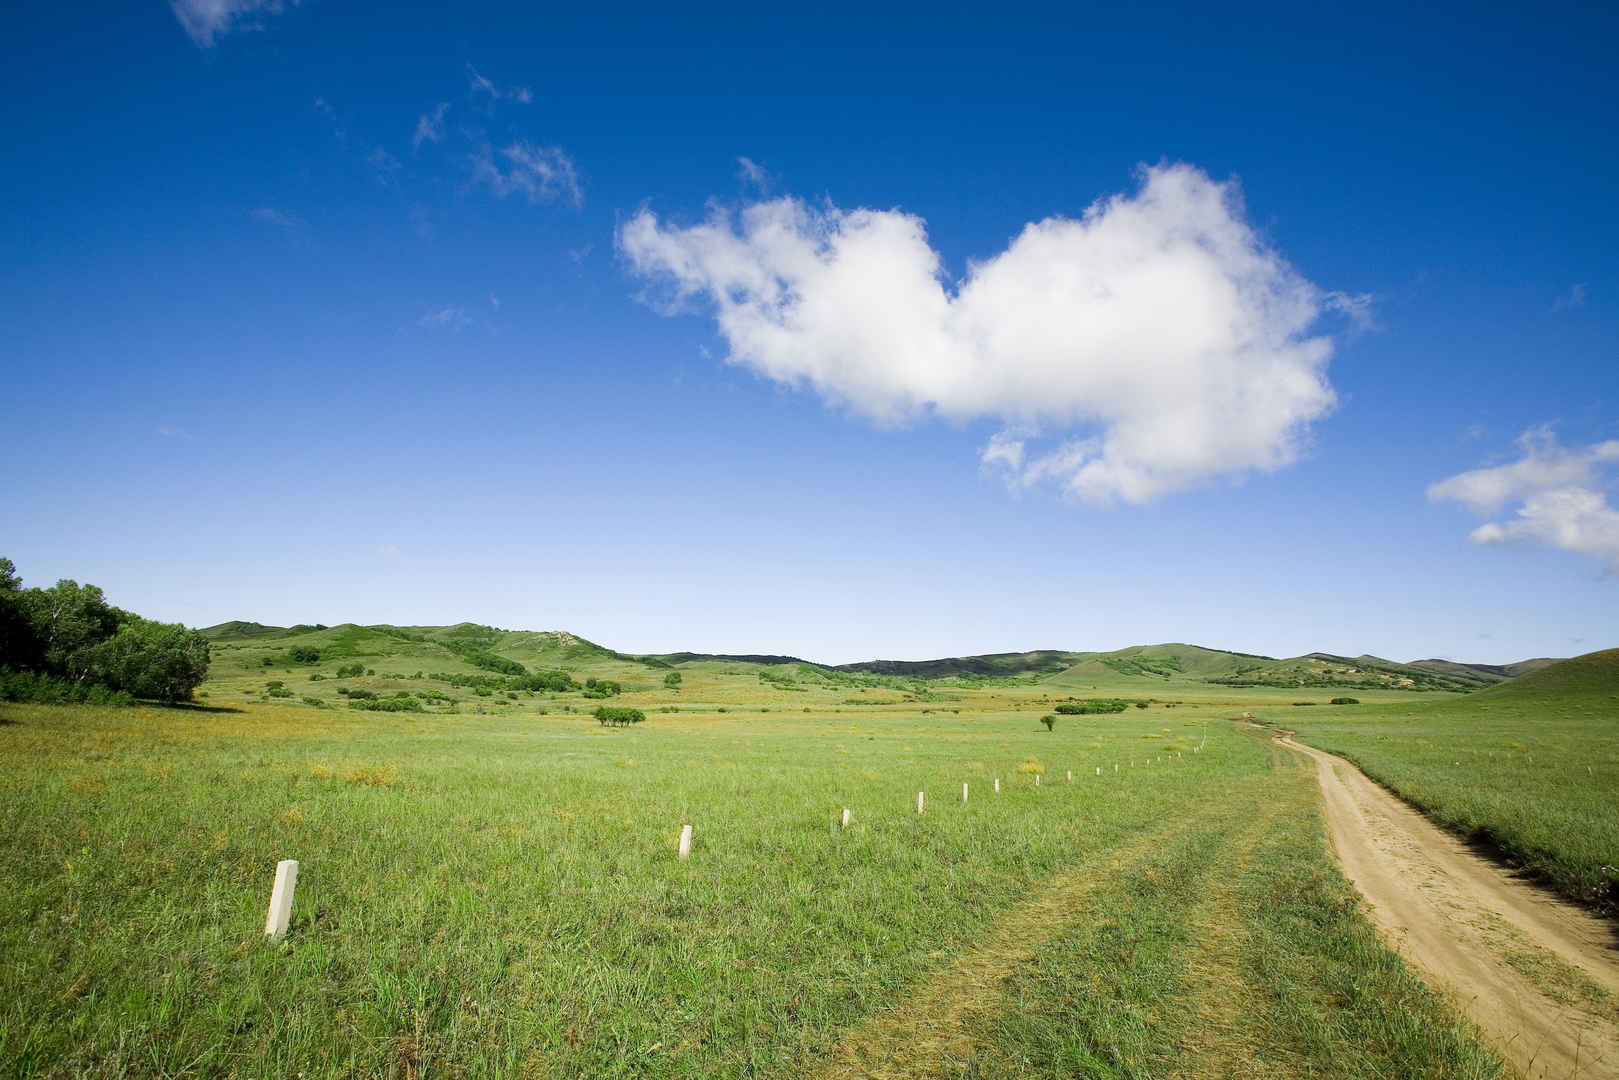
x=843, y=335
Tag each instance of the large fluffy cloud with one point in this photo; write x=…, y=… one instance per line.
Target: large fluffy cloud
x=1558, y=494
x=1158, y=340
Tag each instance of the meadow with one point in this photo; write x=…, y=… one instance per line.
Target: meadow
x=1528, y=769
x=493, y=889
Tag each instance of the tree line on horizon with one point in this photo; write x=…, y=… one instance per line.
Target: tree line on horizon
x=65, y=643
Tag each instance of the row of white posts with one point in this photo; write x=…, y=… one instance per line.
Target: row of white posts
x=286, y=871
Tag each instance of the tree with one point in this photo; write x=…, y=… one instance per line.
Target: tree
x=672, y=680
x=157, y=660
x=19, y=647
x=67, y=619
x=1049, y=720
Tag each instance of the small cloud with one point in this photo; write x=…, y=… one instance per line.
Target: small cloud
x=494, y=301
x=173, y=433
x=580, y=254
x=390, y=552
x=1356, y=307
x=1574, y=298
x=384, y=163
x=206, y=21
x=1559, y=495
x=452, y=318
x=1005, y=450
x=541, y=173
x=481, y=85
x=751, y=172
x=330, y=113
x=430, y=126
x=281, y=219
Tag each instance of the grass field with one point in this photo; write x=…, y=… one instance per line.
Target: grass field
x=497, y=894
x=1529, y=768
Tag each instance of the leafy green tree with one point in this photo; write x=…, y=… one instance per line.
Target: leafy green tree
x=1049, y=720
x=67, y=619
x=157, y=660
x=672, y=680
x=19, y=648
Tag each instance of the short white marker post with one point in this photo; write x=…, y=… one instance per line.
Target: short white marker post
x=963, y=792
x=1070, y=776
x=1099, y=770
x=1036, y=779
x=1115, y=766
x=845, y=817
x=918, y=802
x=685, y=841
x=286, y=879
x=997, y=783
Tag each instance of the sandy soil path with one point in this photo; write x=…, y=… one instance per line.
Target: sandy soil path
x=1474, y=929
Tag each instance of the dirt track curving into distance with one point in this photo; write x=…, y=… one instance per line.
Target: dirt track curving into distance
x=1539, y=976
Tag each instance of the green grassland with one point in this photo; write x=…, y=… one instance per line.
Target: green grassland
x=1529, y=768
x=489, y=886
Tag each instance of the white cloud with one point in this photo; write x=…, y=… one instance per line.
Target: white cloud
x=1158, y=335
x=453, y=318
x=1558, y=492
x=281, y=219
x=751, y=172
x=481, y=85
x=1575, y=297
x=208, y=20
x=542, y=173
x=430, y=126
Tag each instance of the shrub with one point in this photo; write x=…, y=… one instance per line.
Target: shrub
x=314, y=702
x=303, y=654
x=490, y=662
x=1095, y=705
x=600, y=688
x=672, y=680
x=1345, y=701
x=278, y=693
x=350, y=671
x=1049, y=720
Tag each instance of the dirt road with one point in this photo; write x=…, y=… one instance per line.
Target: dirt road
x=1540, y=977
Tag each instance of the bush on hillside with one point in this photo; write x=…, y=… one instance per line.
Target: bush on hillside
x=1345, y=701
x=1095, y=705
x=303, y=654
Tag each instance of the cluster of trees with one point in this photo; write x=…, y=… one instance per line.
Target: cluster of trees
x=1095, y=705
x=66, y=643
x=600, y=688
x=540, y=680
x=611, y=715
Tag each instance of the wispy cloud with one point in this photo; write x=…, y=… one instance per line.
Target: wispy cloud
x=430, y=126
x=1558, y=493
x=481, y=85
x=450, y=318
x=1064, y=332
x=541, y=173
x=751, y=172
x=173, y=433
x=1574, y=298
x=281, y=219
x=206, y=21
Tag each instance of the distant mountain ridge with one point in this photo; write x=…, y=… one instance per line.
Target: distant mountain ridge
x=1149, y=663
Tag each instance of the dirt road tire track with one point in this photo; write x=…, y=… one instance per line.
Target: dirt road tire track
x=1438, y=904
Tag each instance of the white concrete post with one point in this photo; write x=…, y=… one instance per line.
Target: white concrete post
x=286, y=879
x=1036, y=779
x=1070, y=776
x=918, y=802
x=685, y=841
x=997, y=783
x=1099, y=770
x=964, y=792
x=845, y=817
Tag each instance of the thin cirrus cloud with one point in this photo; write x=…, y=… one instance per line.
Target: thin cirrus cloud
x=1558, y=494
x=1155, y=343
x=206, y=21
x=541, y=173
